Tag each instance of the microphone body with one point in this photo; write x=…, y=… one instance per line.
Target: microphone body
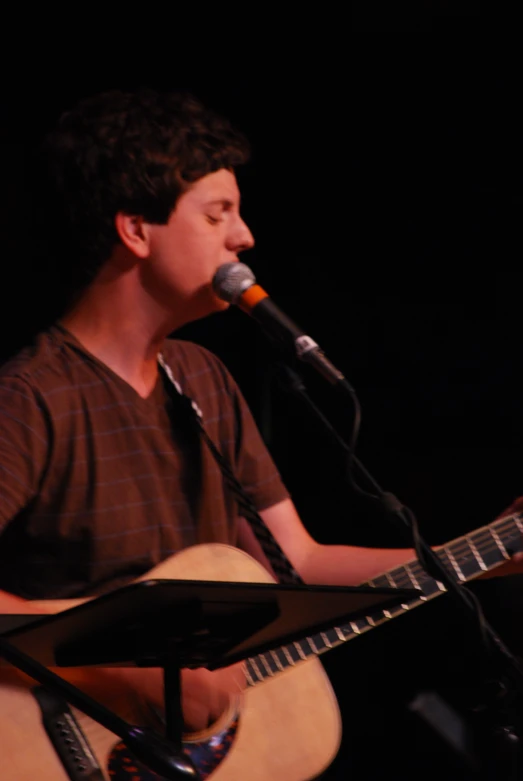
x=235, y=283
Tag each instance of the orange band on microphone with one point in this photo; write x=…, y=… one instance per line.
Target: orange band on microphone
x=252, y=296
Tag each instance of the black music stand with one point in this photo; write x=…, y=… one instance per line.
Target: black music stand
x=174, y=624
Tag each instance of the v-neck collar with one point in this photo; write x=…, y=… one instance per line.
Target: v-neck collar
x=156, y=393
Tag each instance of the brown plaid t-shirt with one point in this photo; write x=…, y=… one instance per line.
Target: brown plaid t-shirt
x=98, y=485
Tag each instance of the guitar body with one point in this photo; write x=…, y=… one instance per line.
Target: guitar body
x=289, y=726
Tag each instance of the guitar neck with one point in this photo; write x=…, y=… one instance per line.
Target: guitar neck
x=464, y=558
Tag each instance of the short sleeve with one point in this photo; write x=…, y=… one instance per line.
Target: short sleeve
x=24, y=446
x=256, y=469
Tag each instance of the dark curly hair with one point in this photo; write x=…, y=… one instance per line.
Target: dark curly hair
x=135, y=152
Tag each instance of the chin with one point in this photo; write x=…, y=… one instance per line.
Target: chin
x=207, y=305
x=220, y=305
x=212, y=303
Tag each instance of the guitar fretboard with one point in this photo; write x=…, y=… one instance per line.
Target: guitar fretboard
x=464, y=558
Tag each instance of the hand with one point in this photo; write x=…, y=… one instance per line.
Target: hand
x=205, y=694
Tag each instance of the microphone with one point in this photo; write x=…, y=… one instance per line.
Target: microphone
x=236, y=283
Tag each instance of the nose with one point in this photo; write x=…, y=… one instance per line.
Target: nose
x=240, y=237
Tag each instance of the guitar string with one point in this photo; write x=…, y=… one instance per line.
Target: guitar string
x=276, y=555
x=347, y=633
x=508, y=523
x=459, y=545
x=484, y=546
x=483, y=540
x=505, y=524
x=340, y=635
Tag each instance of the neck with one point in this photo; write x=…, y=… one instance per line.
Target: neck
x=124, y=333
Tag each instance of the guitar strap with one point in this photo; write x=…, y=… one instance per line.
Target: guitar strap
x=59, y=722
x=281, y=565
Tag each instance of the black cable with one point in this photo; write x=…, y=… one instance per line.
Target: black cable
x=407, y=524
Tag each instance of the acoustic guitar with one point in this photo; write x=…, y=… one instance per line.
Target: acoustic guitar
x=285, y=726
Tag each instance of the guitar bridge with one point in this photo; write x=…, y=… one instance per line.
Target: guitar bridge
x=67, y=737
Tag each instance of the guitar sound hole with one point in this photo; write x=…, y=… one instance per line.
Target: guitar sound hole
x=206, y=755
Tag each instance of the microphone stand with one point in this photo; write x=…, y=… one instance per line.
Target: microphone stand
x=507, y=671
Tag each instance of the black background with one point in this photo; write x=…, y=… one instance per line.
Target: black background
x=385, y=197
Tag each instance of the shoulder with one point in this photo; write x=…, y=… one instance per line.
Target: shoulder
x=29, y=373
x=38, y=363
x=48, y=376
x=25, y=381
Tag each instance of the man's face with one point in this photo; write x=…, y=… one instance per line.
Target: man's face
x=204, y=231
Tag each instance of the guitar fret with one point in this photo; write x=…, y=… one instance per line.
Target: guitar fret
x=414, y=575
x=250, y=679
x=298, y=647
x=410, y=573
x=319, y=643
x=265, y=664
x=490, y=553
x=289, y=658
x=399, y=572
x=256, y=669
x=477, y=555
x=295, y=653
x=340, y=634
x=463, y=553
x=402, y=579
x=398, y=610
x=364, y=623
x=476, y=552
x=382, y=582
x=390, y=580
x=499, y=543
x=276, y=660
x=334, y=637
x=282, y=658
x=455, y=564
x=313, y=646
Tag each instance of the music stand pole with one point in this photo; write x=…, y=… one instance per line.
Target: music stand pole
x=173, y=698
x=172, y=624
x=156, y=752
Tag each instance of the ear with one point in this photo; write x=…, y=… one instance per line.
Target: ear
x=133, y=233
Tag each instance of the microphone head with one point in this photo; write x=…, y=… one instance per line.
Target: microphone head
x=231, y=280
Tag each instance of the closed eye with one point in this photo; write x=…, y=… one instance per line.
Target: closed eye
x=218, y=209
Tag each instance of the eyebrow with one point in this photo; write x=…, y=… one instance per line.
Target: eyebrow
x=228, y=204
